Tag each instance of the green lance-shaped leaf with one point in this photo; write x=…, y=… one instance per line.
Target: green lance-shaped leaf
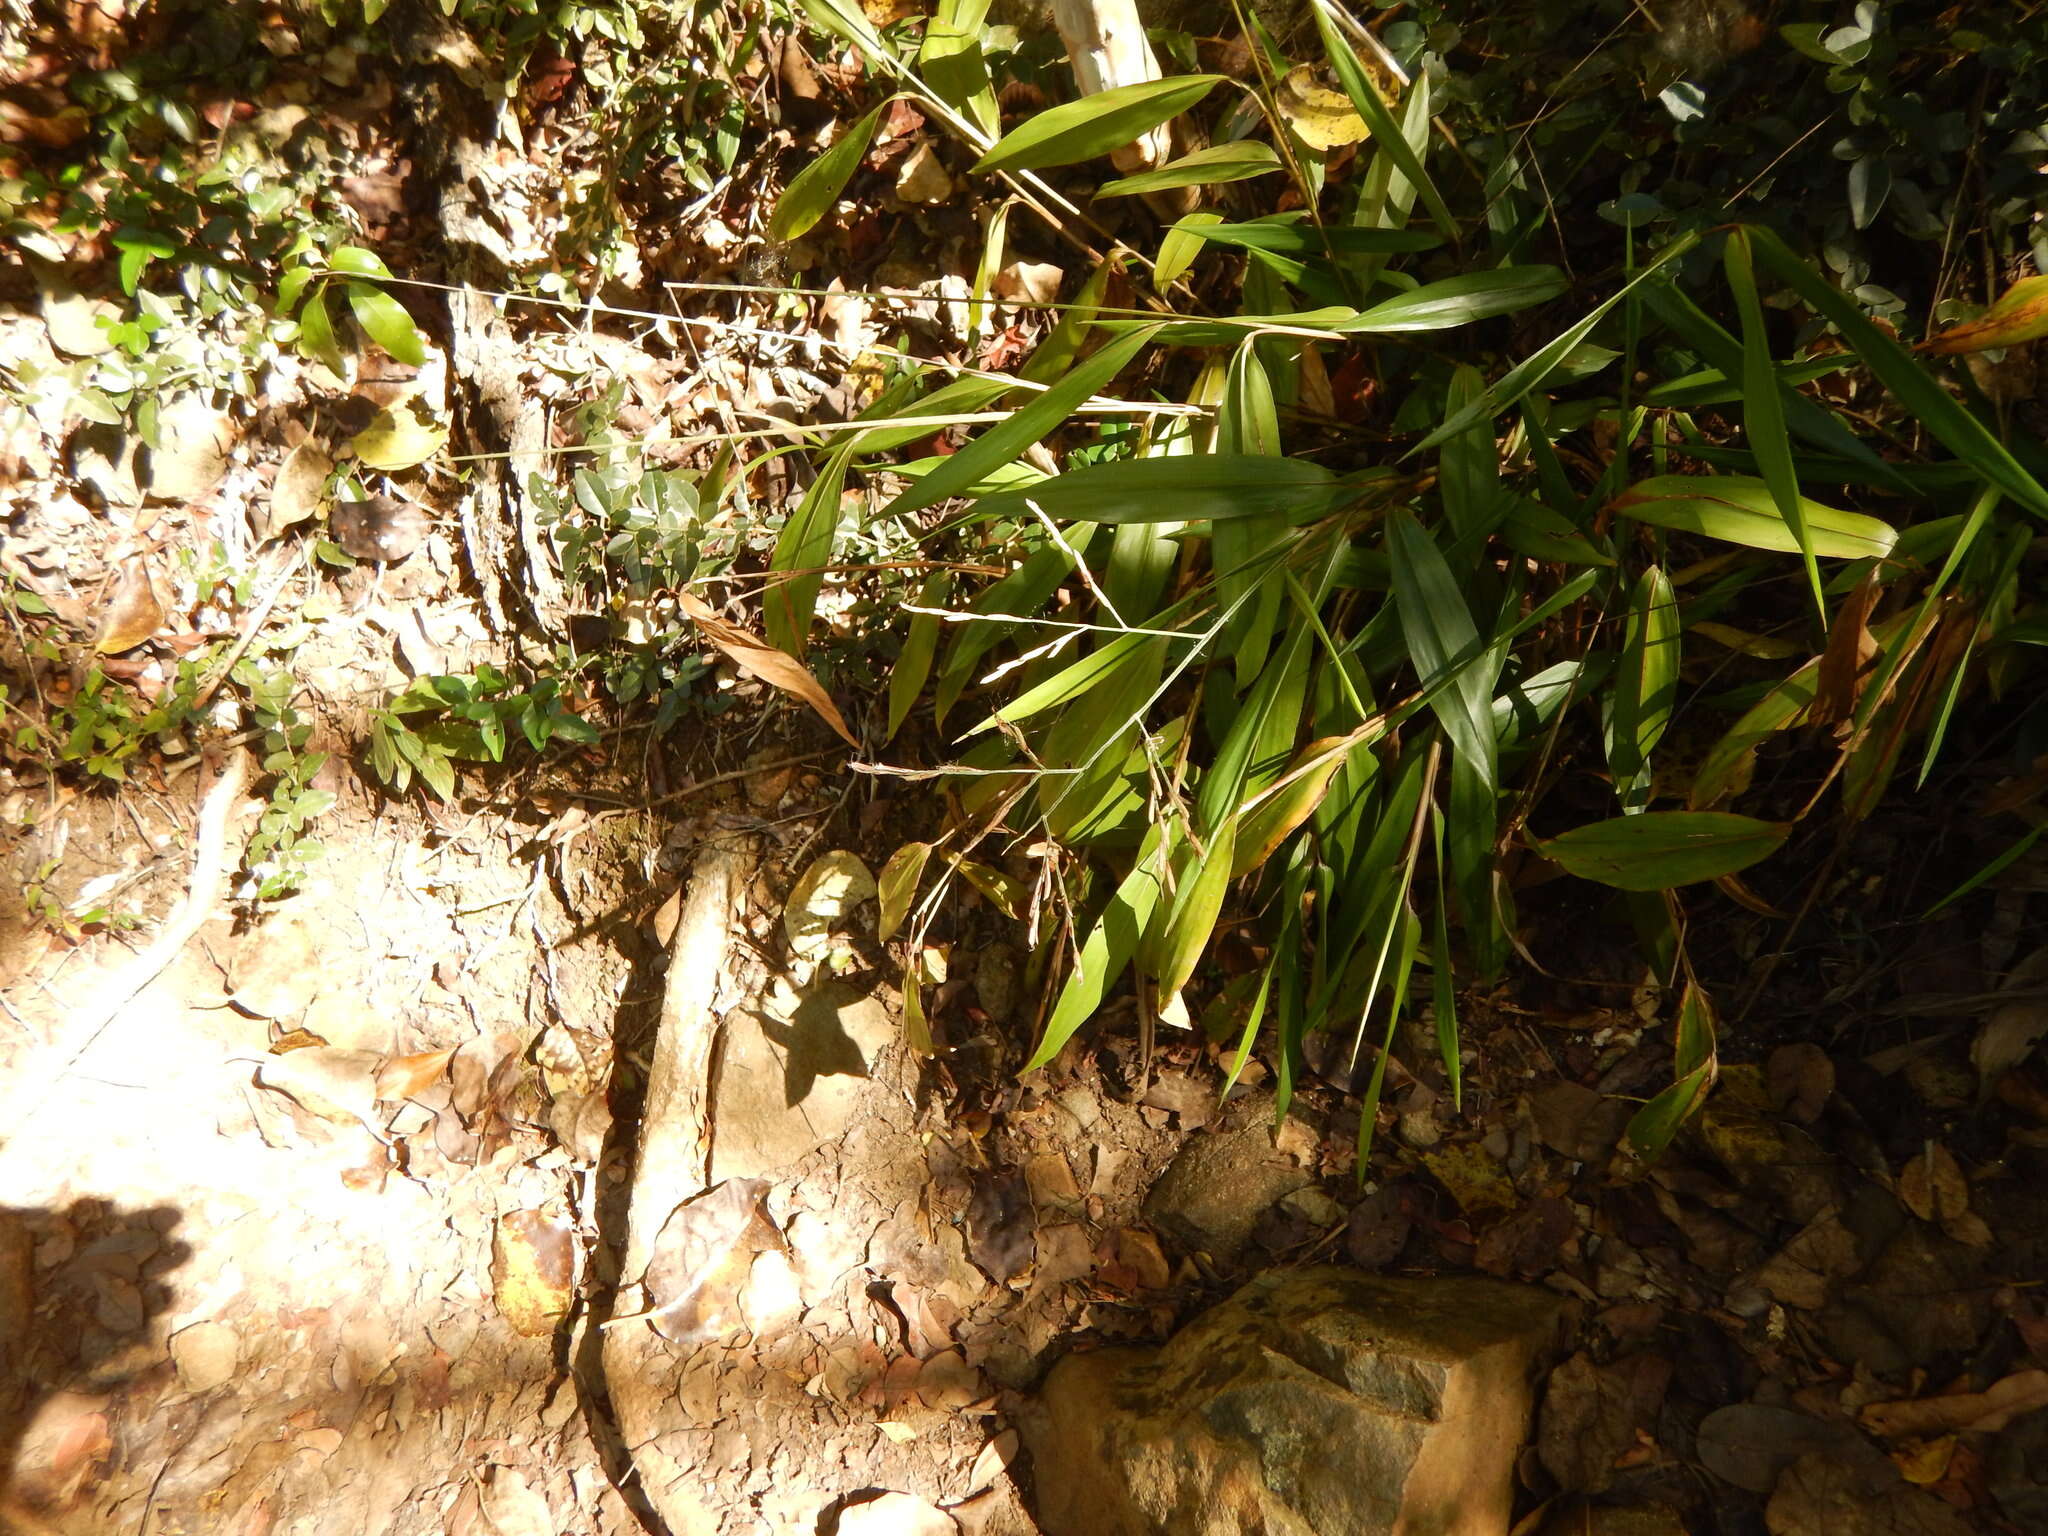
x=1443, y=641
x=1916, y=389
x=1107, y=950
x=1742, y=510
x=1217, y=487
x=1213, y=166
x=1180, y=245
x=1291, y=236
x=1073, y=680
x=1386, y=133
x=1534, y=369
x=817, y=186
x=1654, y=1125
x=1645, y=687
x=1763, y=411
x=1004, y=442
x=804, y=549
x=920, y=645
x=1181, y=929
x=1661, y=849
x=1459, y=300
x=1095, y=125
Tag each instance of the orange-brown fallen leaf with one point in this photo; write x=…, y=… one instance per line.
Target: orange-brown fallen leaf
x=400, y=1077
x=776, y=668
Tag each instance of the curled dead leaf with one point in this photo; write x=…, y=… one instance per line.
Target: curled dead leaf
x=776, y=668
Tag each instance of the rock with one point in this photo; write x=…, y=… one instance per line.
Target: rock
x=896, y=1514
x=205, y=1356
x=1318, y=1402
x=1213, y=1193
x=780, y=1089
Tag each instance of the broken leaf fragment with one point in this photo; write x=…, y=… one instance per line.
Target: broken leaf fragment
x=824, y=894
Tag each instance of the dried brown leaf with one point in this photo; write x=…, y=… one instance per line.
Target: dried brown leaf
x=298, y=493
x=133, y=613
x=776, y=668
x=1984, y=1412
x=1932, y=1185
x=1801, y=1079
x=2006, y=1039
x=335, y=1084
x=1850, y=649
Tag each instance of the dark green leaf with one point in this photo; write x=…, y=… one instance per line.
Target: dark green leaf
x=1459, y=300
x=385, y=322
x=1661, y=849
x=1182, y=489
x=814, y=189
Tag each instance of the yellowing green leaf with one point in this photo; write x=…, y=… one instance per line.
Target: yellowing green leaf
x=897, y=886
x=1741, y=510
x=1320, y=117
x=2021, y=314
x=397, y=439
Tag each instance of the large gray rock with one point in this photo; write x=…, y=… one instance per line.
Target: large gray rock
x=1319, y=1403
